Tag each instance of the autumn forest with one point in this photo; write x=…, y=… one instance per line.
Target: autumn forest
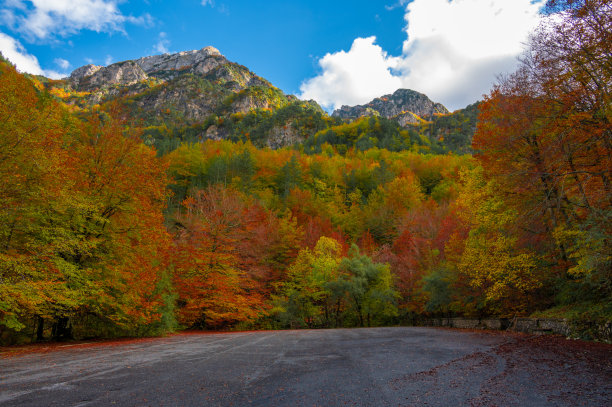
x=104, y=233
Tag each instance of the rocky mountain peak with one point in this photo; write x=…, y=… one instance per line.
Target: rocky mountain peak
x=84, y=71
x=129, y=72
x=122, y=73
x=404, y=105
x=177, y=61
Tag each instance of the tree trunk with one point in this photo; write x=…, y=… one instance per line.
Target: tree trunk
x=62, y=330
x=40, y=326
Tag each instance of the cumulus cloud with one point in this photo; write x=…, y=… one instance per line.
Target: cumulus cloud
x=453, y=52
x=162, y=43
x=44, y=19
x=62, y=63
x=353, y=76
x=12, y=50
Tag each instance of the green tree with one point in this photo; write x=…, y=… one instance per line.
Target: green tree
x=369, y=287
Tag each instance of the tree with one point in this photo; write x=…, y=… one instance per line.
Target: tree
x=213, y=290
x=506, y=274
x=33, y=169
x=370, y=288
x=308, y=296
x=545, y=135
x=78, y=242
x=288, y=177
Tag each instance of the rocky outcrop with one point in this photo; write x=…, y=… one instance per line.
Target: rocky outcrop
x=198, y=61
x=180, y=60
x=404, y=119
x=282, y=136
x=122, y=73
x=84, y=71
x=161, y=67
x=401, y=106
x=194, y=83
x=248, y=103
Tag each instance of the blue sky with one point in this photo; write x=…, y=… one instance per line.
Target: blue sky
x=336, y=52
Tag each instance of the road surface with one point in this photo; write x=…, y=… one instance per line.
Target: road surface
x=341, y=367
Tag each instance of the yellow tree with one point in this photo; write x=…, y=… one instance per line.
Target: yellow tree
x=307, y=295
x=506, y=275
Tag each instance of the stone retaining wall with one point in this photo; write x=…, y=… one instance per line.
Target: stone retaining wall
x=469, y=323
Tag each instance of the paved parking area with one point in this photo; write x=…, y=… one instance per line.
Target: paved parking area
x=341, y=367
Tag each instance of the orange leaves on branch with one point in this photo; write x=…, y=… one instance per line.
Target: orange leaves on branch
x=213, y=289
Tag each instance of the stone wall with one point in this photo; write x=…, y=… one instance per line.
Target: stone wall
x=469, y=323
x=541, y=326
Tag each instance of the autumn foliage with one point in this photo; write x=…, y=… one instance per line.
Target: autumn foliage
x=100, y=235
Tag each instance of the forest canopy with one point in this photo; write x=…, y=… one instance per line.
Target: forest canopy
x=364, y=223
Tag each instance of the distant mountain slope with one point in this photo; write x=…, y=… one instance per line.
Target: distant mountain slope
x=405, y=106
x=194, y=95
x=455, y=130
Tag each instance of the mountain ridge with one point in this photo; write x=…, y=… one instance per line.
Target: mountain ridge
x=190, y=96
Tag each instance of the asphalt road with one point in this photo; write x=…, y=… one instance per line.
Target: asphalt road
x=343, y=367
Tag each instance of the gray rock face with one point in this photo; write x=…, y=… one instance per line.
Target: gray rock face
x=178, y=61
x=122, y=73
x=187, y=89
x=281, y=136
x=248, y=103
x=397, y=106
x=407, y=118
x=207, y=65
x=127, y=73
x=190, y=96
x=84, y=71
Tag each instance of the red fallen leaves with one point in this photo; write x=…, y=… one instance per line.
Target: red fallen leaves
x=48, y=347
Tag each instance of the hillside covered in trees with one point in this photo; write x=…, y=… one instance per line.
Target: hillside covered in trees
x=122, y=217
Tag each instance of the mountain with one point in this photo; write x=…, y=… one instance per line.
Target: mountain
x=404, y=106
x=218, y=78
x=194, y=95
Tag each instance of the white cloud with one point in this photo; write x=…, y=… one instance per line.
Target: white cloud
x=108, y=60
x=354, y=76
x=46, y=19
x=208, y=3
x=162, y=43
x=453, y=53
x=62, y=63
x=15, y=52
